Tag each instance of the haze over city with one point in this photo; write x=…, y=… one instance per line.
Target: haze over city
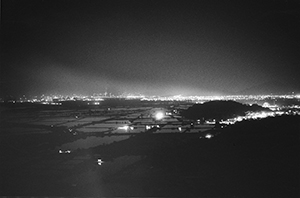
x=150, y=98
x=149, y=47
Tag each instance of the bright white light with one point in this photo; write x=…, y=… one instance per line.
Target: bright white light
x=208, y=136
x=124, y=127
x=66, y=151
x=179, y=128
x=100, y=162
x=159, y=115
x=239, y=118
x=263, y=115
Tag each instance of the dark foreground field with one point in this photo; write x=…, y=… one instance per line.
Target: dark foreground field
x=250, y=159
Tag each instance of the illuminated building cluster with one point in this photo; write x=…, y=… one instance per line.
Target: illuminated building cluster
x=225, y=97
x=95, y=99
x=256, y=115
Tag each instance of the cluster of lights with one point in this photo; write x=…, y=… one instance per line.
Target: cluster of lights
x=64, y=151
x=151, y=126
x=294, y=106
x=134, y=97
x=50, y=99
x=52, y=103
x=126, y=127
x=200, y=99
x=100, y=162
x=254, y=116
x=207, y=136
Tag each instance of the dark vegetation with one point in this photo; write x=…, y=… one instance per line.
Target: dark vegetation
x=219, y=110
x=257, y=158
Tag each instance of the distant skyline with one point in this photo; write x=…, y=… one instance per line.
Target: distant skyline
x=158, y=47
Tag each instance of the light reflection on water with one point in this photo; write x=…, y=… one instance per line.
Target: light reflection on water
x=92, y=141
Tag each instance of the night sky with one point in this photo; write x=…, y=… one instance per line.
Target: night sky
x=150, y=47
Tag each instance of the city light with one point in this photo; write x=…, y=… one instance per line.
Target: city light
x=64, y=151
x=208, y=136
x=100, y=162
x=159, y=115
x=126, y=127
x=55, y=99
